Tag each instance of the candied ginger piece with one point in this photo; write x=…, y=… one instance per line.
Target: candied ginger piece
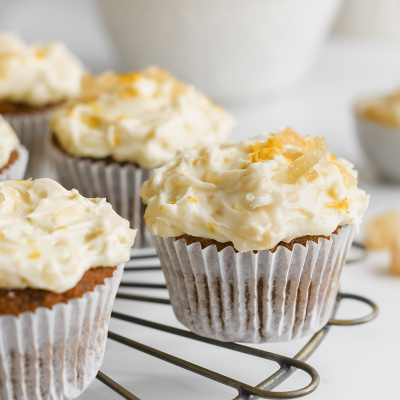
x=395, y=256
x=302, y=165
x=291, y=137
x=380, y=231
x=291, y=155
x=348, y=179
x=315, y=144
x=340, y=205
x=311, y=176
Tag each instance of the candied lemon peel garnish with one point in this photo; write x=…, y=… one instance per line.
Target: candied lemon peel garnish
x=301, y=153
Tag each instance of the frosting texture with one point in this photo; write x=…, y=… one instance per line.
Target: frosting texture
x=142, y=117
x=255, y=193
x=8, y=141
x=50, y=236
x=37, y=75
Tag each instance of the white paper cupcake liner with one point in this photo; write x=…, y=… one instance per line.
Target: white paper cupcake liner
x=118, y=183
x=17, y=169
x=31, y=130
x=254, y=298
x=56, y=353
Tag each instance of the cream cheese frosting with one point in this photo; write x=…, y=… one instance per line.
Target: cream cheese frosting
x=8, y=141
x=50, y=236
x=141, y=117
x=254, y=193
x=37, y=75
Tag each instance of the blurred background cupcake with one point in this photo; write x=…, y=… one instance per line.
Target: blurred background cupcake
x=34, y=80
x=13, y=156
x=106, y=142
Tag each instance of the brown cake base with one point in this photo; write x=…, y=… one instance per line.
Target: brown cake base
x=220, y=246
x=10, y=108
x=18, y=301
x=13, y=157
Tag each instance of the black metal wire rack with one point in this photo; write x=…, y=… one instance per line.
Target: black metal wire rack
x=264, y=390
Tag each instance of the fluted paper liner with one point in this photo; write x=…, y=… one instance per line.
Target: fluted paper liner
x=17, y=169
x=119, y=183
x=254, y=297
x=31, y=130
x=56, y=353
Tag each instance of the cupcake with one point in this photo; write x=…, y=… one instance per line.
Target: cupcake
x=34, y=80
x=13, y=156
x=107, y=142
x=252, y=236
x=62, y=261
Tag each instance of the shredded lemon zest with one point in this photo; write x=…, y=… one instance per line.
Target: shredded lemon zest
x=211, y=227
x=236, y=207
x=192, y=199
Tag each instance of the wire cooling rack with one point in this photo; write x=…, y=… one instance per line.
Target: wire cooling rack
x=264, y=390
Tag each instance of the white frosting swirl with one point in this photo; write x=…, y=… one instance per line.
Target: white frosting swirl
x=37, y=75
x=254, y=194
x=142, y=117
x=8, y=141
x=50, y=236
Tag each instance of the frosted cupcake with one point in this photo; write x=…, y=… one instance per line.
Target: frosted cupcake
x=34, y=80
x=13, y=156
x=253, y=236
x=107, y=142
x=61, y=261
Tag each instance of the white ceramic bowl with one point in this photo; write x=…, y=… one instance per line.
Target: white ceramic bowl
x=381, y=143
x=233, y=50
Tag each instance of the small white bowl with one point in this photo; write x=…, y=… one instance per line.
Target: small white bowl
x=380, y=142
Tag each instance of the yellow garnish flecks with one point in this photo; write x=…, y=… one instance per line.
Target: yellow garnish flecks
x=340, y=205
x=130, y=77
x=211, y=227
x=117, y=141
x=93, y=235
x=161, y=207
x=61, y=227
x=92, y=121
x=35, y=253
x=236, y=207
x=128, y=93
x=192, y=199
x=23, y=180
x=39, y=53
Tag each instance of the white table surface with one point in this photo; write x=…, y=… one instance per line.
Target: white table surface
x=354, y=363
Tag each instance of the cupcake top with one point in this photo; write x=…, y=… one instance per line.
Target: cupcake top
x=384, y=110
x=141, y=117
x=254, y=193
x=37, y=75
x=50, y=236
x=8, y=141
